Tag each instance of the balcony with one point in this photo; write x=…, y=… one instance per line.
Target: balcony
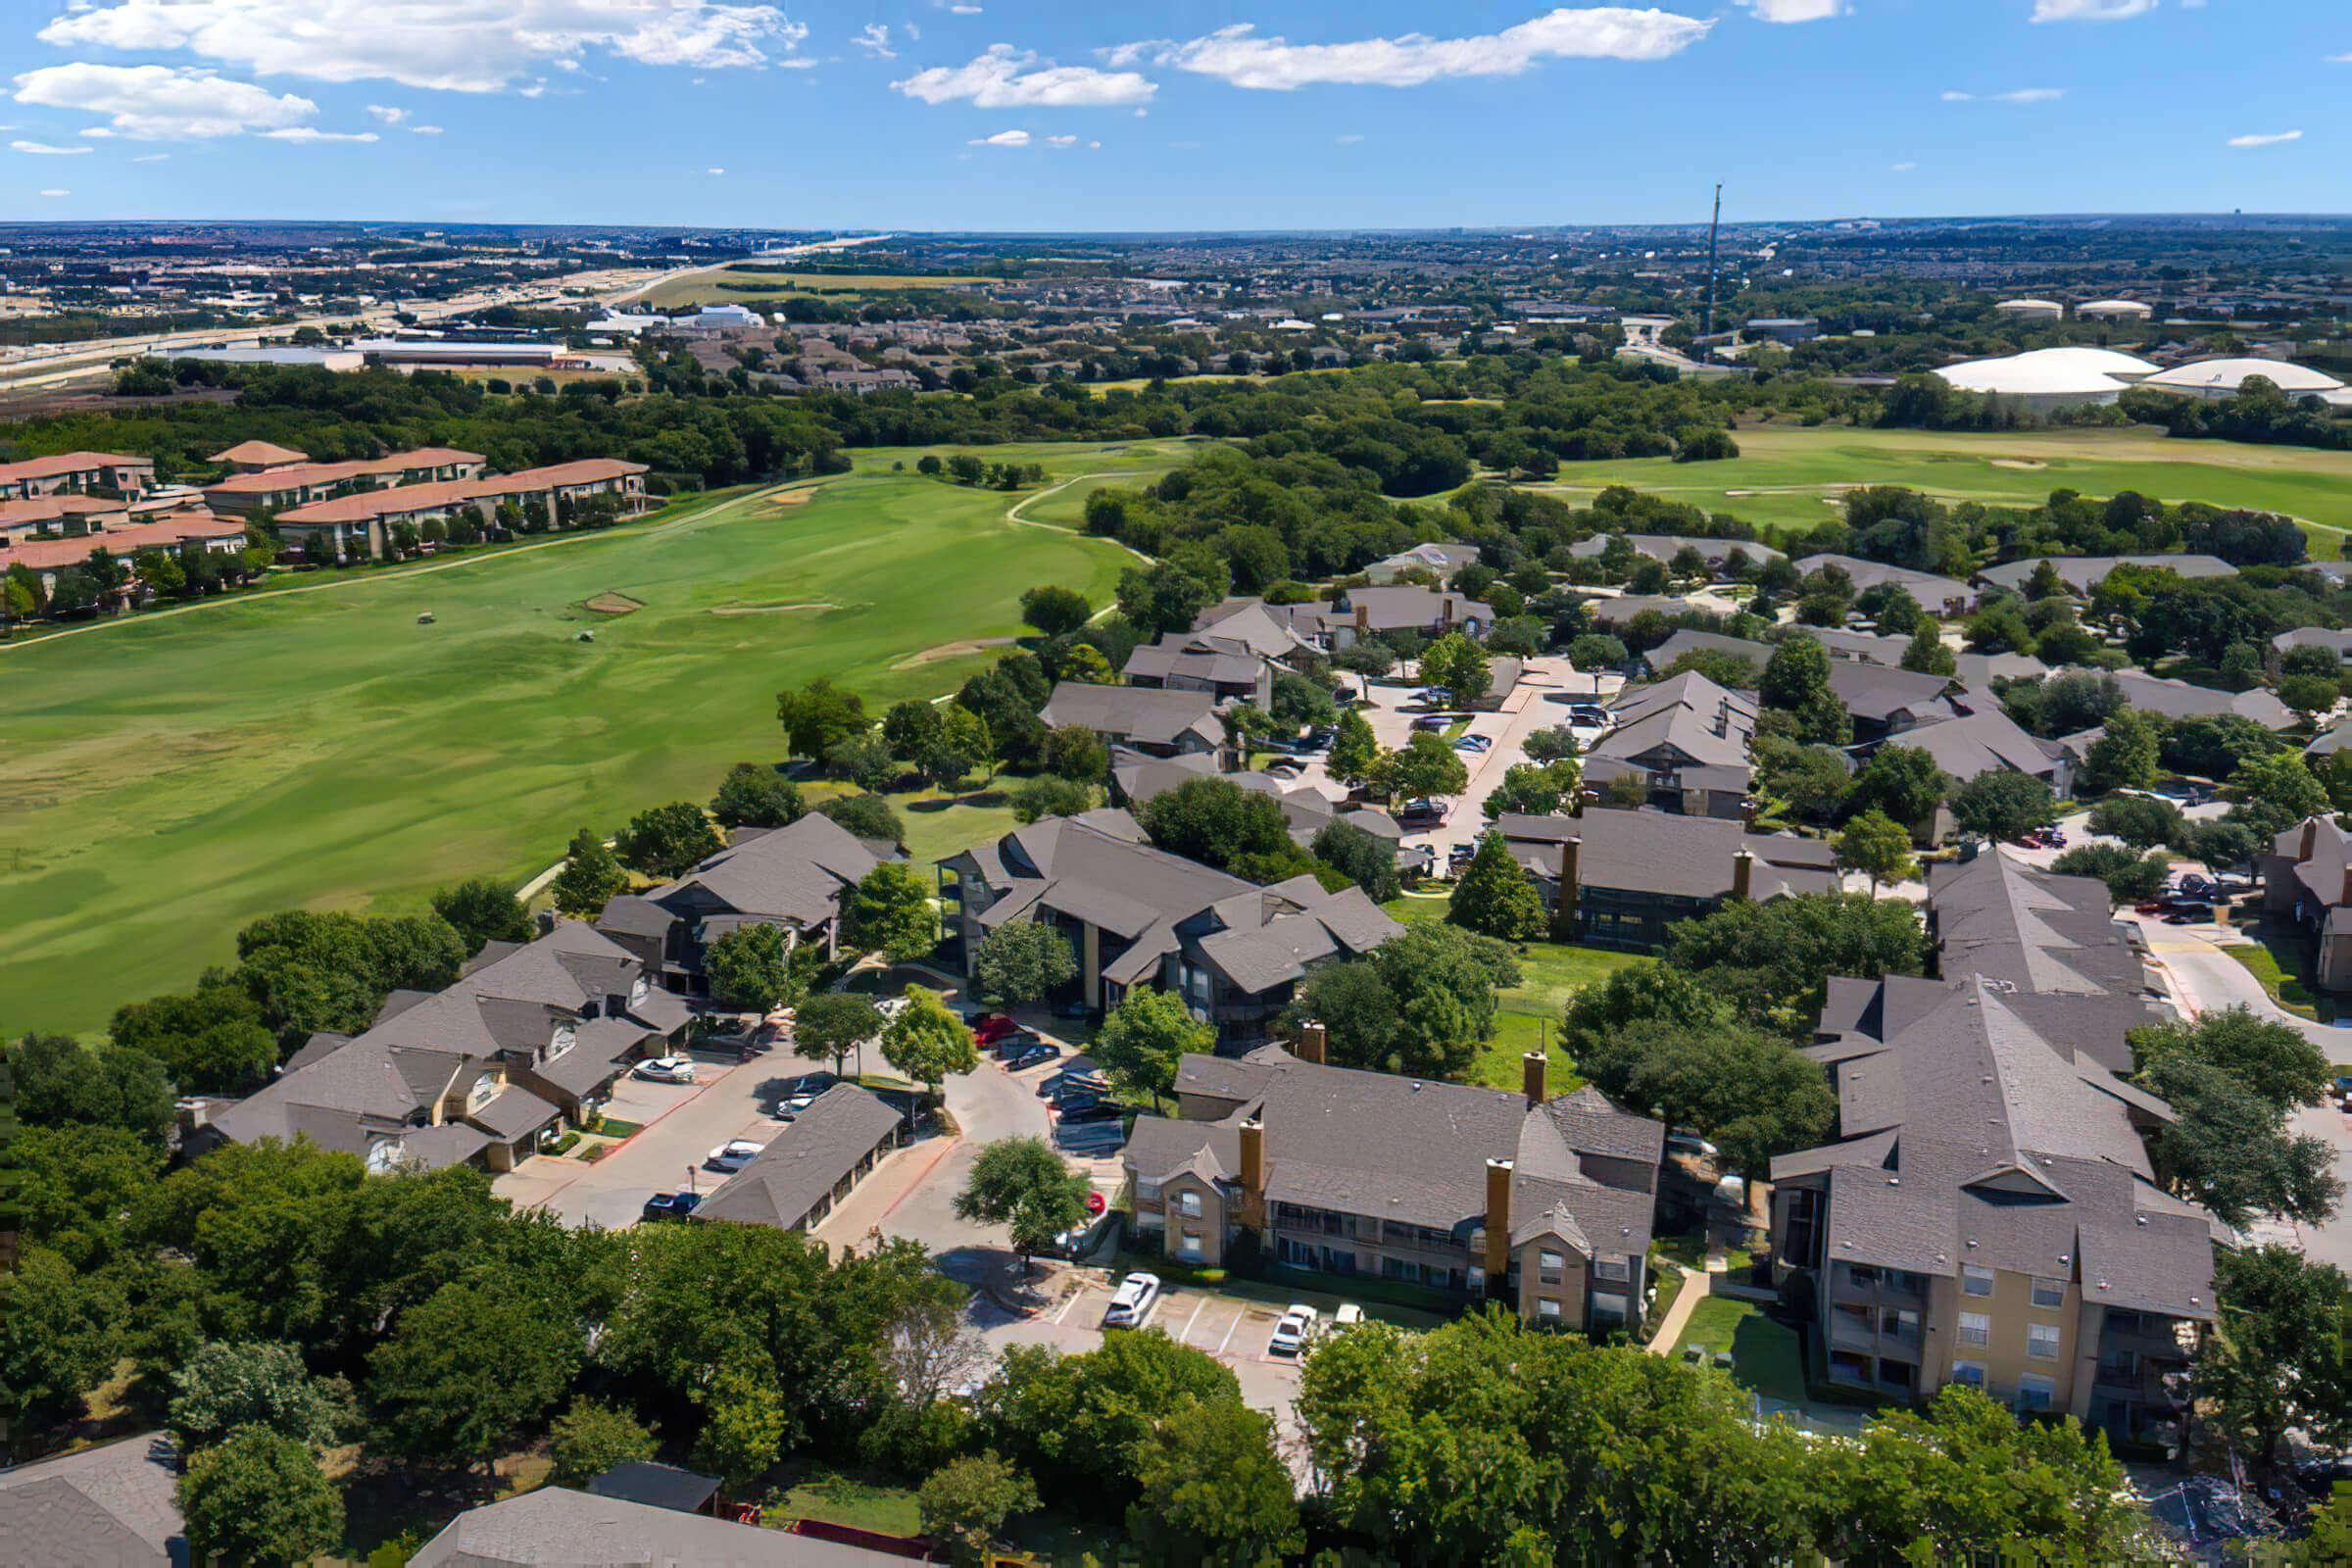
x=1877, y=1287
x=1848, y=1333
x=2161, y=1387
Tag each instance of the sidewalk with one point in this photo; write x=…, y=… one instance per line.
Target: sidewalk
x=1698, y=1285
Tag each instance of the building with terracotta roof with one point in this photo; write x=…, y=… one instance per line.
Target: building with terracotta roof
x=296, y=484
x=362, y=522
x=175, y=533
x=83, y=472
x=1545, y=1203
x=257, y=457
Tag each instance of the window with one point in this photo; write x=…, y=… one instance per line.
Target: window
x=2034, y=1391
x=1975, y=1328
x=1546, y=1308
x=2041, y=1339
x=1147, y=1192
x=483, y=1087
x=1548, y=1267
x=1189, y=1203
x=1608, y=1305
x=1188, y=1247
x=1969, y=1374
x=1976, y=1281
x=2049, y=1292
x=1478, y=1277
x=1608, y=1269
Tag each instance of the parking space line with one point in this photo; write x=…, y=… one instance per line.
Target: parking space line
x=1066, y=1306
x=1231, y=1329
x=1198, y=1308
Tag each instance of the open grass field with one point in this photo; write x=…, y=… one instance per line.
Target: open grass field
x=1766, y=1357
x=168, y=778
x=1788, y=476
x=745, y=286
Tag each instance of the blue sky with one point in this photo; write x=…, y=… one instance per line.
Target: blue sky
x=1009, y=115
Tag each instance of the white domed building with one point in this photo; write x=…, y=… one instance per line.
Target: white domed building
x=2051, y=378
x=2222, y=378
x=2031, y=309
x=2114, y=311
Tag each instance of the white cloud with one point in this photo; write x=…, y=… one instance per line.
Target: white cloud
x=714, y=171
x=2339, y=59
x=152, y=158
x=1006, y=77
x=1904, y=169
x=314, y=134
x=1239, y=56
x=41, y=149
x=2275, y=139
x=54, y=193
x=1061, y=141
x=424, y=130
x=2018, y=95
x=1349, y=140
x=456, y=45
x=387, y=114
x=1795, y=10
x=162, y=103
x=2091, y=10
x=874, y=39
x=1002, y=138
x=963, y=11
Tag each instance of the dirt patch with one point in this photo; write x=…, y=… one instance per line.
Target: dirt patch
x=970, y=645
x=791, y=498
x=769, y=609
x=612, y=604
x=2018, y=462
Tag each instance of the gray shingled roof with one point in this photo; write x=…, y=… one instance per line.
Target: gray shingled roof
x=2082, y=573
x=1660, y=852
x=1151, y=716
x=796, y=873
x=1665, y=547
x=1985, y=741
x=556, y=1527
x=113, y=1507
x=1881, y=694
x=1928, y=589
x=805, y=1161
x=2177, y=699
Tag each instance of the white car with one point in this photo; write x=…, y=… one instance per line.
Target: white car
x=733, y=1155
x=790, y=1110
x=666, y=1069
x=1137, y=1294
x=1297, y=1327
x=1347, y=1317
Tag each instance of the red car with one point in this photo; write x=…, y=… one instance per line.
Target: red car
x=1094, y=1203
x=993, y=1028
x=2152, y=907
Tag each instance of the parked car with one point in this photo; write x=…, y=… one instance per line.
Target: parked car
x=790, y=1107
x=809, y=1083
x=669, y=1206
x=1100, y=1110
x=1481, y=744
x=1347, y=1317
x=1013, y=1044
x=733, y=1155
x=1422, y=812
x=1431, y=697
x=1286, y=767
x=1689, y=1144
x=1061, y=1086
x=1432, y=724
x=993, y=1027
x=1588, y=714
x=1132, y=1301
x=1460, y=855
x=1096, y=1203
x=665, y=1069
x=1319, y=738
x=1291, y=1335
x=1035, y=1056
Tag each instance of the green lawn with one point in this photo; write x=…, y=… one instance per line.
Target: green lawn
x=1787, y=476
x=1549, y=973
x=2278, y=967
x=168, y=778
x=815, y=1490
x=1766, y=1357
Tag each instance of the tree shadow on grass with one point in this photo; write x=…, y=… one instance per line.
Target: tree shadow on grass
x=984, y=799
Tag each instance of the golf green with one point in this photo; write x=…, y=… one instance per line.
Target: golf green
x=171, y=777
x=1787, y=476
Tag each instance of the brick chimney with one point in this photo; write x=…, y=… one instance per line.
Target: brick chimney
x=1744, y=874
x=1446, y=611
x=1498, y=1222
x=1563, y=907
x=1364, y=618
x=1253, y=1174
x=1531, y=1078
x=1309, y=1046
x=2311, y=839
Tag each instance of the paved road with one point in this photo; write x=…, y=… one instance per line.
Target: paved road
x=2205, y=978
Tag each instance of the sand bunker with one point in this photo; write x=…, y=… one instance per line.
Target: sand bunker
x=956, y=649
x=612, y=604
x=767, y=610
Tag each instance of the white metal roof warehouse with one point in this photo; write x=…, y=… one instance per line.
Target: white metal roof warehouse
x=2222, y=378
x=2051, y=377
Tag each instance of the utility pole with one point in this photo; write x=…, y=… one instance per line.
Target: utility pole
x=1714, y=226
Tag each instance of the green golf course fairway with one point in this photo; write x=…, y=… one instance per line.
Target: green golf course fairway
x=1787, y=476
x=168, y=778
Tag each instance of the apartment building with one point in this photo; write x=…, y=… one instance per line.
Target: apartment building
x=103, y=473
x=1685, y=740
x=1155, y=721
x=1546, y=1203
x=1136, y=916
x=1986, y=1215
x=1619, y=879
x=1135, y=779
x=1663, y=548
x=276, y=487
x=361, y=523
x=1225, y=667
x=2307, y=883
x=1939, y=596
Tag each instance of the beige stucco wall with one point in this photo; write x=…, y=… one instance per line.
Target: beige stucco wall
x=1209, y=1226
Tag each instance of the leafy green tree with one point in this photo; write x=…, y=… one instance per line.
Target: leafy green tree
x=1877, y=847
x=71, y=1188
x=746, y=1423
x=1529, y=789
x=591, y=877
x=312, y=972
x=1354, y=747
x=1071, y=752
x=890, y=913
x=1055, y=610
x=210, y=1040
x=1497, y=898
x=2128, y=756
x=863, y=759
x=1596, y=652
x=225, y=1387
x=927, y=1042
x=818, y=717
x=61, y=1081
x=1215, y=821
x=2003, y=805
x=1025, y=1186
x=752, y=796
x=1364, y=859
x=750, y=969
x=1596, y=1016
x=2276, y=1063
x=469, y=1371
x=2280, y=1360
x=481, y=911
x=2129, y=875
x=966, y=1501
x=1773, y=961
x=912, y=728
x=1927, y=654
x=1796, y=676
x=1811, y=781
x=2278, y=790
x=2227, y=1148
x=2143, y=821
x=1144, y=1038
x=1555, y=743
x=1080, y=1422
x=1042, y=798
x=1425, y=765
x=1022, y=962
x=1753, y=1093
x=1164, y=598
x=590, y=1438
x=2312, y=696
x=666, y=841
x=258, y=1497
x=962, y=748
x=831, y=1024
x=868, y=816
x=1458, y=666
x=1214, y=1488
x=61, y=1331
x=1421, y=1004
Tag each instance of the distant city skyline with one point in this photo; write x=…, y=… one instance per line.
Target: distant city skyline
x=949, y=114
